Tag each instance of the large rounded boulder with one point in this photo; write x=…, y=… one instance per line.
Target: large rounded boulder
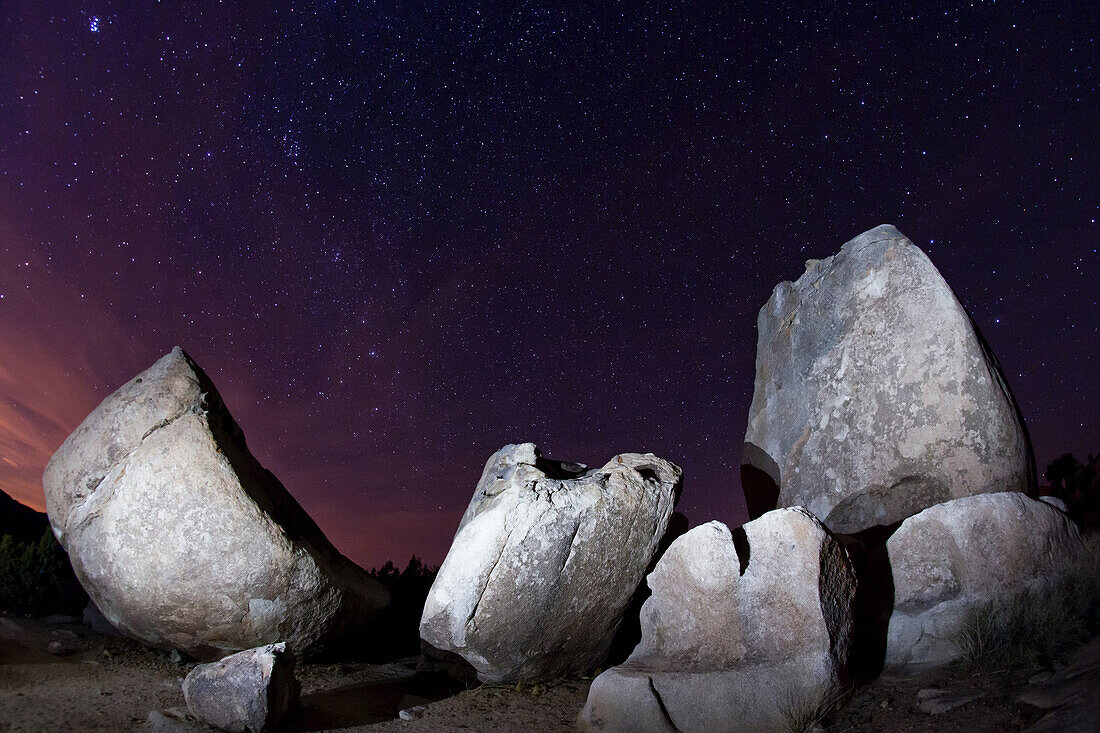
x=546, y=559
x=876, y=397
x=968, y=556
x=183, y=540
x=745, y=630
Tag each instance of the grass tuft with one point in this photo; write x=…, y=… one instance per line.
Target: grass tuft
x=1038, y=628
x=809, y=716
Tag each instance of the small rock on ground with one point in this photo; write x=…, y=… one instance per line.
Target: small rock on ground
x=935, y=702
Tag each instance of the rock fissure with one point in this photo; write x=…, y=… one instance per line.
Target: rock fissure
x=789, y=643
x=90, y=497
x=572, y=547
x=661, y=705
x=187, y=500
x=194, y=409
x=551, y=564
x=488, y=579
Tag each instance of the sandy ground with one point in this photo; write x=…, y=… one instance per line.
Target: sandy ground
x=102, y=683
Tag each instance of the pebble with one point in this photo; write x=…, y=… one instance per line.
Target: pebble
x=934, y=701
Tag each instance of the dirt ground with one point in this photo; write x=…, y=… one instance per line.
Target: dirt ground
x=105, y=683
x=102, y=683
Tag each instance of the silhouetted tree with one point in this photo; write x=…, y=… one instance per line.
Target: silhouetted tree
x=1062, y=473
x=36, y=578
x=408, y=590
x=387, y=573
x=1077, y=485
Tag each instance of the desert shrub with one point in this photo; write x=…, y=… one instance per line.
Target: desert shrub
x=806, y=716
x=35, y=577
x=1038, y=628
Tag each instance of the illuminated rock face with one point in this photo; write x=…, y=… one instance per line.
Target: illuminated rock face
x=949, y=560
x=742, y=629
x=183, y=539
x=253, y=691
x=875, y=397
x=545, y=560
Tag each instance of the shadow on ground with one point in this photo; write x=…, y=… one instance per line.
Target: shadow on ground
x=372, y=702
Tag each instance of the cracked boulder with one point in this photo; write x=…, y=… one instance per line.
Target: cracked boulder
x=253, y=691
x=183, y=540
x=744, y=629
x=875, y=396
x=545, y=561
x=952, y=559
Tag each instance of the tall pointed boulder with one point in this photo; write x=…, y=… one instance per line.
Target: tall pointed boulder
x=876, y=397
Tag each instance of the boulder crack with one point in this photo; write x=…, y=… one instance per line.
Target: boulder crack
x=195, y=408
x=661, y=705
x=83, y=509
x=572, y=547
x=488, y=579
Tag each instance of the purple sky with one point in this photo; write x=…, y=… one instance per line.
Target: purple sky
x=399, y=237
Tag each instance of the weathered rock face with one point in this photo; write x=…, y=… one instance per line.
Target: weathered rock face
x=182, y=539
x=875, y=396
x=545, y=560
x=742, y=628
x=950, y=559
x=253, y=690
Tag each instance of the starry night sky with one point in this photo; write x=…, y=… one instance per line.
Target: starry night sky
x=401, y=235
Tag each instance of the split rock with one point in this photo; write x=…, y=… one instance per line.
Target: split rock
x=953, y=558
x=182, y=539
x=743, y=629
x=254, y=690
x=875, y=395
x=545, y=560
